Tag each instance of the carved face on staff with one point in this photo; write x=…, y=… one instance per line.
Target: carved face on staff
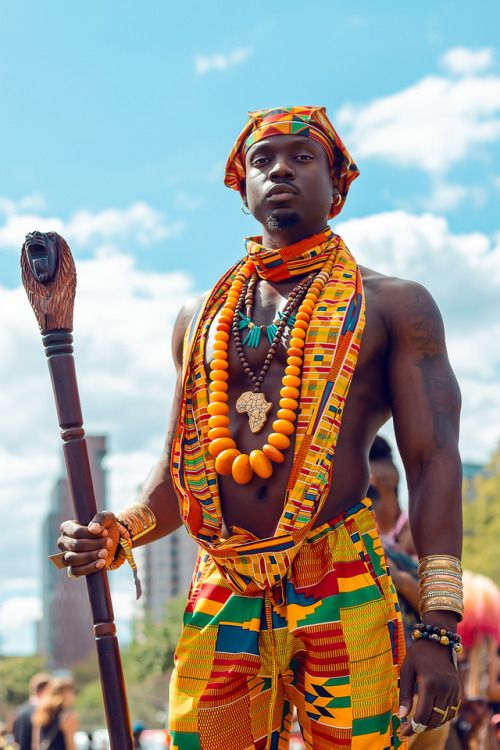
x=42, y=254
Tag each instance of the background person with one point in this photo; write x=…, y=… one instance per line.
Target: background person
x=22, y=723
x=400, y=551
x=54, y=720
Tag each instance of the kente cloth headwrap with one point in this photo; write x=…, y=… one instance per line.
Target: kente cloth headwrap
x=331, y=348
x=310, y=122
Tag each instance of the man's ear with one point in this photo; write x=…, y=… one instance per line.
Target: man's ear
x=334, y=177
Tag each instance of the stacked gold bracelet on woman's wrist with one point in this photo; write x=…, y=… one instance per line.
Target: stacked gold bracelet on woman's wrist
x=133, y=522
x=440, y=584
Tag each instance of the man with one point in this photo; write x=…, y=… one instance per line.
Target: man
x=22, y=724
x=286, y=371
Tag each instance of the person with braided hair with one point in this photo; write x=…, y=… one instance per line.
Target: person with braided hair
x=287, y=369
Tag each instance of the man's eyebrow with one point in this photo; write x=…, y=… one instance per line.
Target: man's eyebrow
x=299, y=142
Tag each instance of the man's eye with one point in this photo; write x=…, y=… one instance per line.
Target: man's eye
x=304, y=157
x=260, y=161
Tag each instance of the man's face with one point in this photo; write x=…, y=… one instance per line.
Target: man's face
x=289, y=182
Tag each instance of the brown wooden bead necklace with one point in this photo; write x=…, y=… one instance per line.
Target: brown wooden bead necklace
x=255, y=403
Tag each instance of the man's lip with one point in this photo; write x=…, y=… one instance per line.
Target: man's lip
x=281, y=188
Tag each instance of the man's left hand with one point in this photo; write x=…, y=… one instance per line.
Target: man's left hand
x=430, y=666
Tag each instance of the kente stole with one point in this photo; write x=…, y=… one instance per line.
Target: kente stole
x=247, y=563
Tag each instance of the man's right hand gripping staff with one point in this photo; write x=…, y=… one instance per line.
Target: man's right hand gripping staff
x=89, y=548
x=106, y=541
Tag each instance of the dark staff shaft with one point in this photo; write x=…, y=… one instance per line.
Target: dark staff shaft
x=59, y=350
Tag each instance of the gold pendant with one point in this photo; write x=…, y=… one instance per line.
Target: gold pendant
x=257, y=408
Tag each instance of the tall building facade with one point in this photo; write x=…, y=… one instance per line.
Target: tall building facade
x=65, y=634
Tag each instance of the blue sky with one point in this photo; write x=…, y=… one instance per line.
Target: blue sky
x=116, y=122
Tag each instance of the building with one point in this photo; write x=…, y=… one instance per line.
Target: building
x=167, y=566
x=65, y=634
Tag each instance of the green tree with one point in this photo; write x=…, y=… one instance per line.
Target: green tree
x=15, y=674
x=482, y=521
x=147, y=663
x=151, y=653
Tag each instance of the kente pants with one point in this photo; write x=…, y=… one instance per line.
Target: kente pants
x=327, y=644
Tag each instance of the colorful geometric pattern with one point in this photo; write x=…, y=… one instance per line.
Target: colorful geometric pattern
x=331, y=348
x=330, y=645
x=310, y=122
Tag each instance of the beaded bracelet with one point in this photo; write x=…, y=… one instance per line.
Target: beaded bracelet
x=441, y=636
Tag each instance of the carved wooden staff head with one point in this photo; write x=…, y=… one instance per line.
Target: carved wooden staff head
x=49, y=278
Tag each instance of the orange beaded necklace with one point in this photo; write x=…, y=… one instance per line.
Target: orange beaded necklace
x=228, y=459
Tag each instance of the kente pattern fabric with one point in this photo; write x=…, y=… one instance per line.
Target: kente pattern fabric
x=331, y=348
x=310, y=122
x=303, y=257
x=331, y=647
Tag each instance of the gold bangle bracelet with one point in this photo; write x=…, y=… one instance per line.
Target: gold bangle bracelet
x=441, y=592
x=441, y=583
x=440, y=602
x=438, y=573
x=436, y=561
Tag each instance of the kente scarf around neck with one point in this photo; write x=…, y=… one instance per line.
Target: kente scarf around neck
x=303, y=257
x=249, y=564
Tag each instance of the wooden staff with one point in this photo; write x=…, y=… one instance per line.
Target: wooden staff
x=49, y=278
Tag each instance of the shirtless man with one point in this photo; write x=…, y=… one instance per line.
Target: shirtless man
x=306, y=618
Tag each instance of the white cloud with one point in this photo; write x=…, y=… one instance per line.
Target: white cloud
x=446, y=196
x=463, y=274
x=139, y=222
x=18, y=615
x=205, y=63
x=16, y=610
x=30, y=202
x=463, y=61
x=431, y=125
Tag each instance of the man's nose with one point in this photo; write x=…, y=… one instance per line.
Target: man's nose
x=281, y=168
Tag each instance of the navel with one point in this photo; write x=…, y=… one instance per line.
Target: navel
x=262, y=492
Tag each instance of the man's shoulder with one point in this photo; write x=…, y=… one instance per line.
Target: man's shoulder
x=380, y=282
x=189, y=310
x=393, y=294
x=184, y=318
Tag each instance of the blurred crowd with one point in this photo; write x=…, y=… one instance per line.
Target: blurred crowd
x=477, y=725
x=48, y=721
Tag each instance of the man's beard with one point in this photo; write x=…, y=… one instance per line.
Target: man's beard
x=285, y=222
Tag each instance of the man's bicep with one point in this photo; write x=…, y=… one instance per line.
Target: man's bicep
x=424, y=391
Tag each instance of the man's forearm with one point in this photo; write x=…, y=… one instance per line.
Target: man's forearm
x=435, y=505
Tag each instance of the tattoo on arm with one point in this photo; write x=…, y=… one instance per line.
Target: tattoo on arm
x=439, y=380
x=439, y=386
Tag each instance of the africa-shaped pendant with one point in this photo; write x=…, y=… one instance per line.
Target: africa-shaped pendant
x=256, y=407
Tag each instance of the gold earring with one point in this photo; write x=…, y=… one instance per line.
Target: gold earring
x=338, y=200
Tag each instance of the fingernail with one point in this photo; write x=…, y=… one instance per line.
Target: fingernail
x=402, y=711
x=100, y=563
x=109, y=543
x=102, y=553
x=93, y=527
x=105, y=532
